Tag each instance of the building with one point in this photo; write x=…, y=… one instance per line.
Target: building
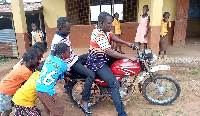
x=82, y=16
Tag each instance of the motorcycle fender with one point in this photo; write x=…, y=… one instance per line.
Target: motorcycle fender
x=160, y=67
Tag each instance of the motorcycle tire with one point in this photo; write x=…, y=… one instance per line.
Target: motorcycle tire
x=76, y=101
x=157, y=98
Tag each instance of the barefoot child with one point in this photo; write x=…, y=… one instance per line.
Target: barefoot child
x=13, y=81
x=25, y=96
x=143, y=28
x=165, y=26
x=54, y=69
x=116, y=30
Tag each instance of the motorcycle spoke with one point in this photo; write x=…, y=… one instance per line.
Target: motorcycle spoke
x=166, y=97
x=152, y=88
x=155, y=95
x=169, y=88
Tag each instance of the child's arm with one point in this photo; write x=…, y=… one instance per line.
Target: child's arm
x=147, y=27
x=67, y=79
x=168, y=25
x=28, y=34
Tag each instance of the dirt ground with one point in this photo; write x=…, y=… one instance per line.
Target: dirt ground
x=187, y=104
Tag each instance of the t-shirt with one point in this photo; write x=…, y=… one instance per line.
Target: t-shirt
x=59, y=38
x=26, y=95
x=164, y=30
x=52, y=70
x=116, y=23
x=99, y=44
x=13, y=81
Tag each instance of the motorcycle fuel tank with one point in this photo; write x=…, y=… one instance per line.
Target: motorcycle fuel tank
x=125, y=67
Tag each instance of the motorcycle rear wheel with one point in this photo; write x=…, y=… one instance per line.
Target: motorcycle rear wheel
x=75, y=93
x=169, y=89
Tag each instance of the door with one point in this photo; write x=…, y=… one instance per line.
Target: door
x=182, y=7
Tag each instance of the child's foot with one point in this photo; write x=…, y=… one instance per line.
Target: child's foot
x=160, y=56
x=165, y=57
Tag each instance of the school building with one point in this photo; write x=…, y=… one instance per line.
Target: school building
x=184, y=16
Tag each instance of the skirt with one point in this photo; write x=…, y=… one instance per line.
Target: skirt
x=163, y=44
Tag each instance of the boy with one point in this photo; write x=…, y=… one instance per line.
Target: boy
x=37, y=35
x=75, y=64
x=54, y=68
x=13, y=81
x=39, y=48
x=25, y=96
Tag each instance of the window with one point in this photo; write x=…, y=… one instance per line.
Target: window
x=85, y=12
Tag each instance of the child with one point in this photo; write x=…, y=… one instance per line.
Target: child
x=24, y=98
x=165, y=26
x=143, y=28
x=37, y=35
x=13, y=81
x=39, y=48
x=53, y=70
x=116, y=30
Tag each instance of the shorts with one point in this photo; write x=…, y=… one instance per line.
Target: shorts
x=5, y=102
x=52, y=104
x=28, y=111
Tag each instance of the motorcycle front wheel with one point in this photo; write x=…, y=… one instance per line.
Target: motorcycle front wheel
x=75, y=93
x=162, y=89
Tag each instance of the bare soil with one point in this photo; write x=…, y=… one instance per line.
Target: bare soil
x=187, y=104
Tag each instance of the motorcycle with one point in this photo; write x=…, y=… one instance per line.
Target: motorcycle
x=159, y=89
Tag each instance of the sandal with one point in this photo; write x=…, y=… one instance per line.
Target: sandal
x=86, y=111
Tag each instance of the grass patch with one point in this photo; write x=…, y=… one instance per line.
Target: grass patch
x=192, y=67
x=4, y=59
x=195, y=72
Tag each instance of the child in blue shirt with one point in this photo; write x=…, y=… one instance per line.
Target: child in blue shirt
x=53, y=69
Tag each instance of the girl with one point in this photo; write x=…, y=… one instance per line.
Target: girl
x=25, y=96
x=116, y=30
x=165, y=26
x=143, y=28
x=13, y=81
x=37, y=35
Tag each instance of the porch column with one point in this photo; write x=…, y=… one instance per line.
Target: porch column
x=20, y=26
x=155, y=23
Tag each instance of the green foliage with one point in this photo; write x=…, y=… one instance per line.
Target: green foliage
x=4, y=59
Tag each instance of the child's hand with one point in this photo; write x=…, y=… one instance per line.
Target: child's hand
x=68, y=79
x=67, y=74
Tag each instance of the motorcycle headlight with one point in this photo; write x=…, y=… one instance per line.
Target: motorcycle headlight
x=154, y=59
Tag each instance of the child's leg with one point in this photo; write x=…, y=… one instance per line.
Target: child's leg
x=6, y=113
x=52, y=103
x=145, y=45
x=5, y=104
x=165, y=52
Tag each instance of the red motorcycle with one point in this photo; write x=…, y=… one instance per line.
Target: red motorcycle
x=159, y=89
